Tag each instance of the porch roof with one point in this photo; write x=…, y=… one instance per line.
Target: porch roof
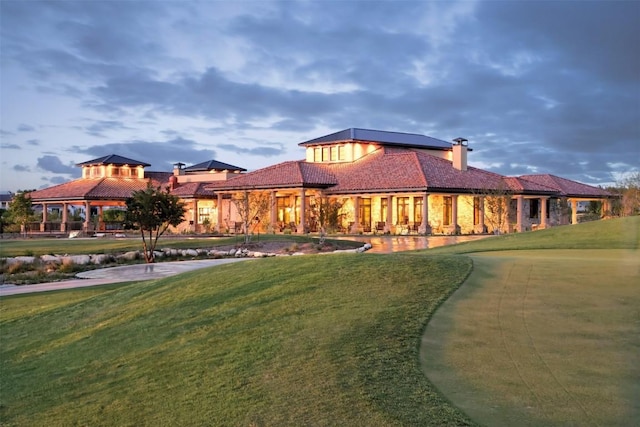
x=113, y=159
x=567, y=187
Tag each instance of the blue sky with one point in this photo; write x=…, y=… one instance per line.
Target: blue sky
x=535, y=86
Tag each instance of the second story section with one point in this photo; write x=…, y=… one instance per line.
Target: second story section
x=352, y=144
x=113, y=166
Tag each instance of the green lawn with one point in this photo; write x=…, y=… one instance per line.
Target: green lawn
x=42, y=246
x=313, y=340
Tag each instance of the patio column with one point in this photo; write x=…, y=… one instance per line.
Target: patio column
x=481, y=227
x=389, y=222
x=425, y=228
x=101, y=226
x=454, y=214
x=543, y=212
x=574, y=211
x=219, y=211
x=301, y=226
x=356, y=213
x=519, y=209
x=44, y=217
x=63, y=224
x=604, y=212
x=273, y=212
x=87, y=216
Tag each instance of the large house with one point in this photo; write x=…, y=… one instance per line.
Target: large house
x=382, y=182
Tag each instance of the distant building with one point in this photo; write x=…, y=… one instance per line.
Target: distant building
x=385, y=182
x=5, y=199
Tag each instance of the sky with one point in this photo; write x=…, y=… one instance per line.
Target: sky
x=535, y=86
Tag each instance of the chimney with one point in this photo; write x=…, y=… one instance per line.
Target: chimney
x=460, y=154
x=178, y=169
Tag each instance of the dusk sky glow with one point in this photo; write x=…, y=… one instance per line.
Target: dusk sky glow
x=535, y=86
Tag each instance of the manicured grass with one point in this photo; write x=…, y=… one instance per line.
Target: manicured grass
x=544, y=337
x=314, y=340
x=619, y=233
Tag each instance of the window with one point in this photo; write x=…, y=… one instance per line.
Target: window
x=533, y=208
x=403, y=210
x=447, y=210
x=284, y=211
x=384, y=203
x=325, y=154
x=334, y=154
x=477, y=207
x=342, y=153
x=364, y=213
x=417, y=210
x=203, y=213
x=317, y=154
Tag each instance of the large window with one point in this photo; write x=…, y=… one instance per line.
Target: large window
x=204, y=213
x=284, y=210
x=477, y=206
x=403, y=210
x=533, y=208
x=447, y=210
x=417, y=210
x=384, y=204
x=364, y=213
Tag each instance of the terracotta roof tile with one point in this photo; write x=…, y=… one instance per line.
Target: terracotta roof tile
x=567, y=187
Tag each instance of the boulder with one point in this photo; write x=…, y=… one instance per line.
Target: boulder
x=50, y=258
x=101, y=259
x=77, y=259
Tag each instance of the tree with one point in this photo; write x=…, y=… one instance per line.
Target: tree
x=251, y=206
x=153, y=211
x=630, y=190
x=21, y=210
x=496, y=201
x=327, y=212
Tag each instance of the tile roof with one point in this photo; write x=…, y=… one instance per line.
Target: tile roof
x=113, y=159
x=382, y=137
x=567, y=187
x=281, y=175
x=212, y=165
x=522, y=185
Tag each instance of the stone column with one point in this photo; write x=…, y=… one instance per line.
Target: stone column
x=101, y=226
x=87, y=216
x=574, y=211
x=302, y=207
x=219, y=213
x=425, y=228
x=65, y=218
x=543, y=212
x=356, y=215
x=519, y=209
x=44, y=217
x=604, y=211
x=273, y=212
x=454, y=214
x=480, y=226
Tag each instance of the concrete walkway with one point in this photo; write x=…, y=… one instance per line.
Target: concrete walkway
x=127, y=273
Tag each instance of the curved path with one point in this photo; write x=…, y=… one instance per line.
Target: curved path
x=541, y=338
x=127, y=273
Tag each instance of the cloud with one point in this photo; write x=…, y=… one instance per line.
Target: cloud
x=21, y=168
x=101, y=126
x=255, y=151
x=160, y=154
x=53, y=164
x=10, y=147
x=25, y=128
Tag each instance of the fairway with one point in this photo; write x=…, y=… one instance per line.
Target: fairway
x=542, y=338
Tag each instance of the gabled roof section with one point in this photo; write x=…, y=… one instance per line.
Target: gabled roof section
x=286, y=174
x=382, y=137
x=213, y=165
x=567, y=187
x=113, y=159
x=193, y=189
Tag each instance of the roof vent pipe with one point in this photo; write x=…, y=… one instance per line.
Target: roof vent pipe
x=459, y=150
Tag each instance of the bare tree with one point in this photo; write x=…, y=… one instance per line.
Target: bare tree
x=629, y=188
x=327, y=212
x=496, y=206
x=251, y=206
